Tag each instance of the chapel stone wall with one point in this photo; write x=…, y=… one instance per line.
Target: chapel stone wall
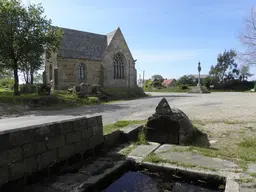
x=118, y=44
x=69, y=75
x=52, y=61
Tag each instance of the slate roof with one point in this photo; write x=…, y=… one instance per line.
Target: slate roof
x=83, y=45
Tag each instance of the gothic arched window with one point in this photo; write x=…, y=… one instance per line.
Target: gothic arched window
x=118, y=66
x=81, y=70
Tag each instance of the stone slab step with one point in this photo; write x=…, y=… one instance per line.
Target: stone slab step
x=190, y=158
x=84, y=178
x=40, y=188
x=142, y=151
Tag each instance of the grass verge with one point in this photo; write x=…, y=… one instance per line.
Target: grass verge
x=121, y=124
x=153, y=158
x=242, y=153
x=142, y=138
x=169, y=89
x=64, y=99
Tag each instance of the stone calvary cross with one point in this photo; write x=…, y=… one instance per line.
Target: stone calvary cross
x=199, y=70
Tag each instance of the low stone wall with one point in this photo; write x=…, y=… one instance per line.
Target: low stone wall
x=31, y=149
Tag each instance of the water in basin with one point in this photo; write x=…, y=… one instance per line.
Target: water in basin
x=137, y=181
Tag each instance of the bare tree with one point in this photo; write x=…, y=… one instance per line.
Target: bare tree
x=248, y=37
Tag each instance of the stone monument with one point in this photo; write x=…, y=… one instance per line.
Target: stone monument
x=171, y=126
x=199, y=88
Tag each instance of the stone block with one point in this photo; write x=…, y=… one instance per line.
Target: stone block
x=97, y=130
x=23, y=168
x=80, y=124
x=99, y=120
x=31, y=164
x=49, y=130
x=39, y=188
x=130, y=133
x=92, y=121
x=66, y=151
x=22, y=137
x=86, y=133
x=40, y=147
x=14, y=154
x=112, y=138
x=4, y=142
x=82, y=146
x=73, y=137
x=29, y=149
x=56, y=142
x=3, y=158
x=4, y=174
x=71, y=182
x=95, y=141
x=67, y=126
x=47, y=158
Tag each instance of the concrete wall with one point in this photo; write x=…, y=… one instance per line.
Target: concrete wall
x=30, y=150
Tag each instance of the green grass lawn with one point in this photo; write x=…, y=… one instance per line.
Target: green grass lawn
x=64, y=99
x=169, y=89
x=121, y=124
x=60, y=99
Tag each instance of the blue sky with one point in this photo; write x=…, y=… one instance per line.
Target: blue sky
x=167, y=37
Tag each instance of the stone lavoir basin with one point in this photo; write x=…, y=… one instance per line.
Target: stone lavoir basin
x=145, y=178
x=144, y=168
x=166, y=126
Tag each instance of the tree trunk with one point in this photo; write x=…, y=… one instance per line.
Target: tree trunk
x=25, y=77
x=31, y=76
x=16, y=80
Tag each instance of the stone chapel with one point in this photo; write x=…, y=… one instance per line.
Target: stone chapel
x=91, y=58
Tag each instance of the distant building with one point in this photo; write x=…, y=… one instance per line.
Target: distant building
x=91, y=58
x=201, y=76
x=169, y=82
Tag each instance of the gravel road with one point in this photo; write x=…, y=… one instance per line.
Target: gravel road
x=214, y=106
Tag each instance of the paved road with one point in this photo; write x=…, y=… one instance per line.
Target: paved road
x=214, y=106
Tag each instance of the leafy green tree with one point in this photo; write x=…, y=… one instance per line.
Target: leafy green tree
x=187, y=80
x=157, y=77
x=207, y=81
x=148, y=83
x=226, y=68
x=245, y=72
x=25, y=36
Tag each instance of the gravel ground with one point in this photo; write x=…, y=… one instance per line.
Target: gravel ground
x=206, y=107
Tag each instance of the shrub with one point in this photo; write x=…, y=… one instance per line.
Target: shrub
x=157, y=84
x=123, y=93
x=44, y=90
x=7, y=83
x=234, y=85
x=42, y=101
x=95, y=88
x=183, y=87
x=28, y=88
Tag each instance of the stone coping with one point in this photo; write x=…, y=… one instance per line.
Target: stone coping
x=231, y=184
x=6, y=128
